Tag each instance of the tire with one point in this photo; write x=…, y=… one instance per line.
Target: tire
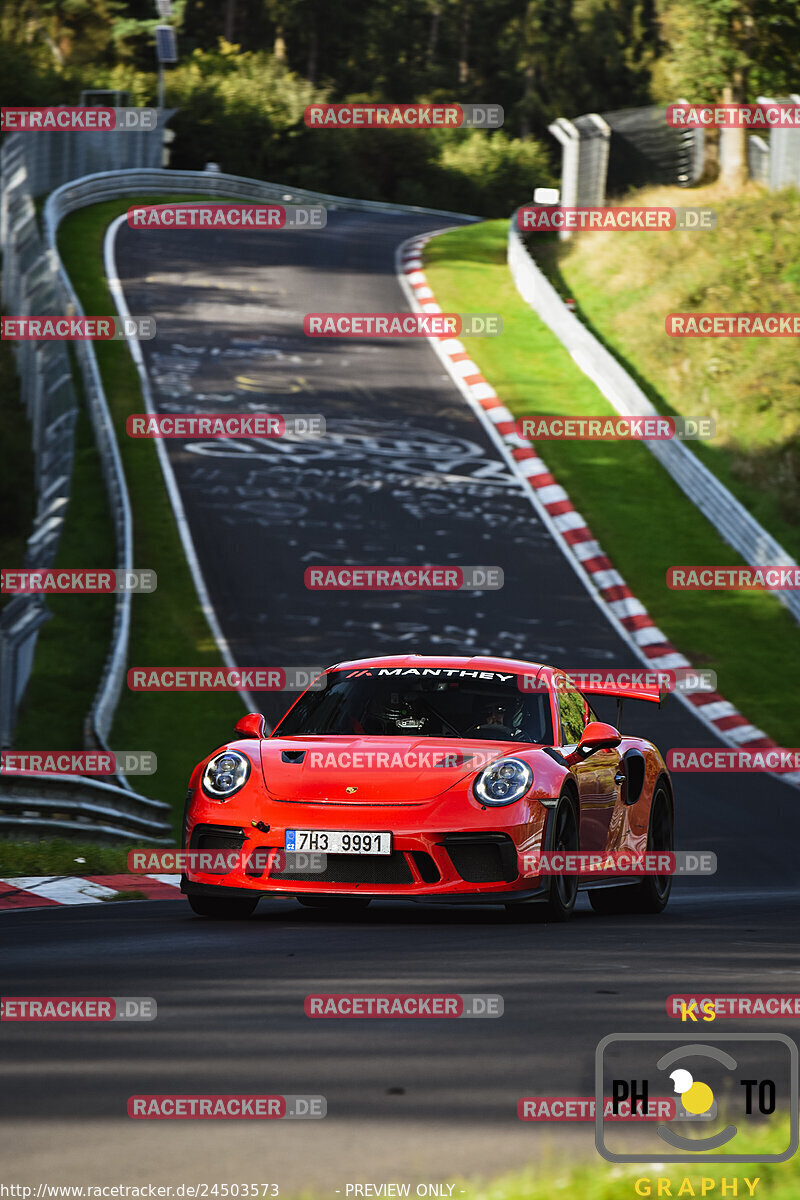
x=334, y=904
x=564, y=888
x=220, y=909
x=652, y=894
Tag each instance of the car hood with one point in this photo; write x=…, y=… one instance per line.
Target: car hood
x=390, y=770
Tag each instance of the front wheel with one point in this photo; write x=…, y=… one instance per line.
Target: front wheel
x=221, y=909
x=652, y=894
x=563, y=888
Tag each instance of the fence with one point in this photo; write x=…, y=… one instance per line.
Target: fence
x=615, y=151
x=607, y=154
x=731, y=520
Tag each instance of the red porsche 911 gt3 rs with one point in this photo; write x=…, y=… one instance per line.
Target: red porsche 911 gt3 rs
x=428, y=778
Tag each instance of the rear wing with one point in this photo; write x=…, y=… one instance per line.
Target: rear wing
x=654, y=694
x=647, y=685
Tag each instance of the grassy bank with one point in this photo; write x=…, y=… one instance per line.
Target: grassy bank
x=60, y=856
x=625, y=284
x=641, y=518
x=600, y=1180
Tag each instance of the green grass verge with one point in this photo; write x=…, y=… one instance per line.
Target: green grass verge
x=599, y=1180
x=72, y=647
x=168, y=626
x=625, y=284
x=641, y=518
x=61, y=856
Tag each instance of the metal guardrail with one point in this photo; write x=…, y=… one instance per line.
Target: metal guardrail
x=108, y=185
x=75, y=806
x=111, y=185
x=30, y=286
x=25, y=253
x=728, y=516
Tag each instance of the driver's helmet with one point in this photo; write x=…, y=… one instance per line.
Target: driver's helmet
x=404, y=712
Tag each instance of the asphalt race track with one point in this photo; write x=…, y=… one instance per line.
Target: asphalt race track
x=405, y=474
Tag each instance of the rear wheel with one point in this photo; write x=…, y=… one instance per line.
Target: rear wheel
x=221, y=909
x=652, y=893
x=334, y=904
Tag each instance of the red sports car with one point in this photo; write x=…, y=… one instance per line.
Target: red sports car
x=428, y=778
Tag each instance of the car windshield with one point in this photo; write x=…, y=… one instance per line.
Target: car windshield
x=422, y=702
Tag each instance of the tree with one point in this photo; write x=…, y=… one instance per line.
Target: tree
x=731, y=51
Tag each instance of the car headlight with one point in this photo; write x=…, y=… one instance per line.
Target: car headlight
x=225, y=774
x=503, y=782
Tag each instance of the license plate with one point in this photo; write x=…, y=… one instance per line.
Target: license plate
x=331, y=841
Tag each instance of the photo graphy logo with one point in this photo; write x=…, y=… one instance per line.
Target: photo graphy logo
x=729, y=1083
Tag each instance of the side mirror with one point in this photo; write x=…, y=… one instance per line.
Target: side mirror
x=598, y=736
x=251, y=726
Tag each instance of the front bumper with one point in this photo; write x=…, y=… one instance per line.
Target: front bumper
x=431, y=860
